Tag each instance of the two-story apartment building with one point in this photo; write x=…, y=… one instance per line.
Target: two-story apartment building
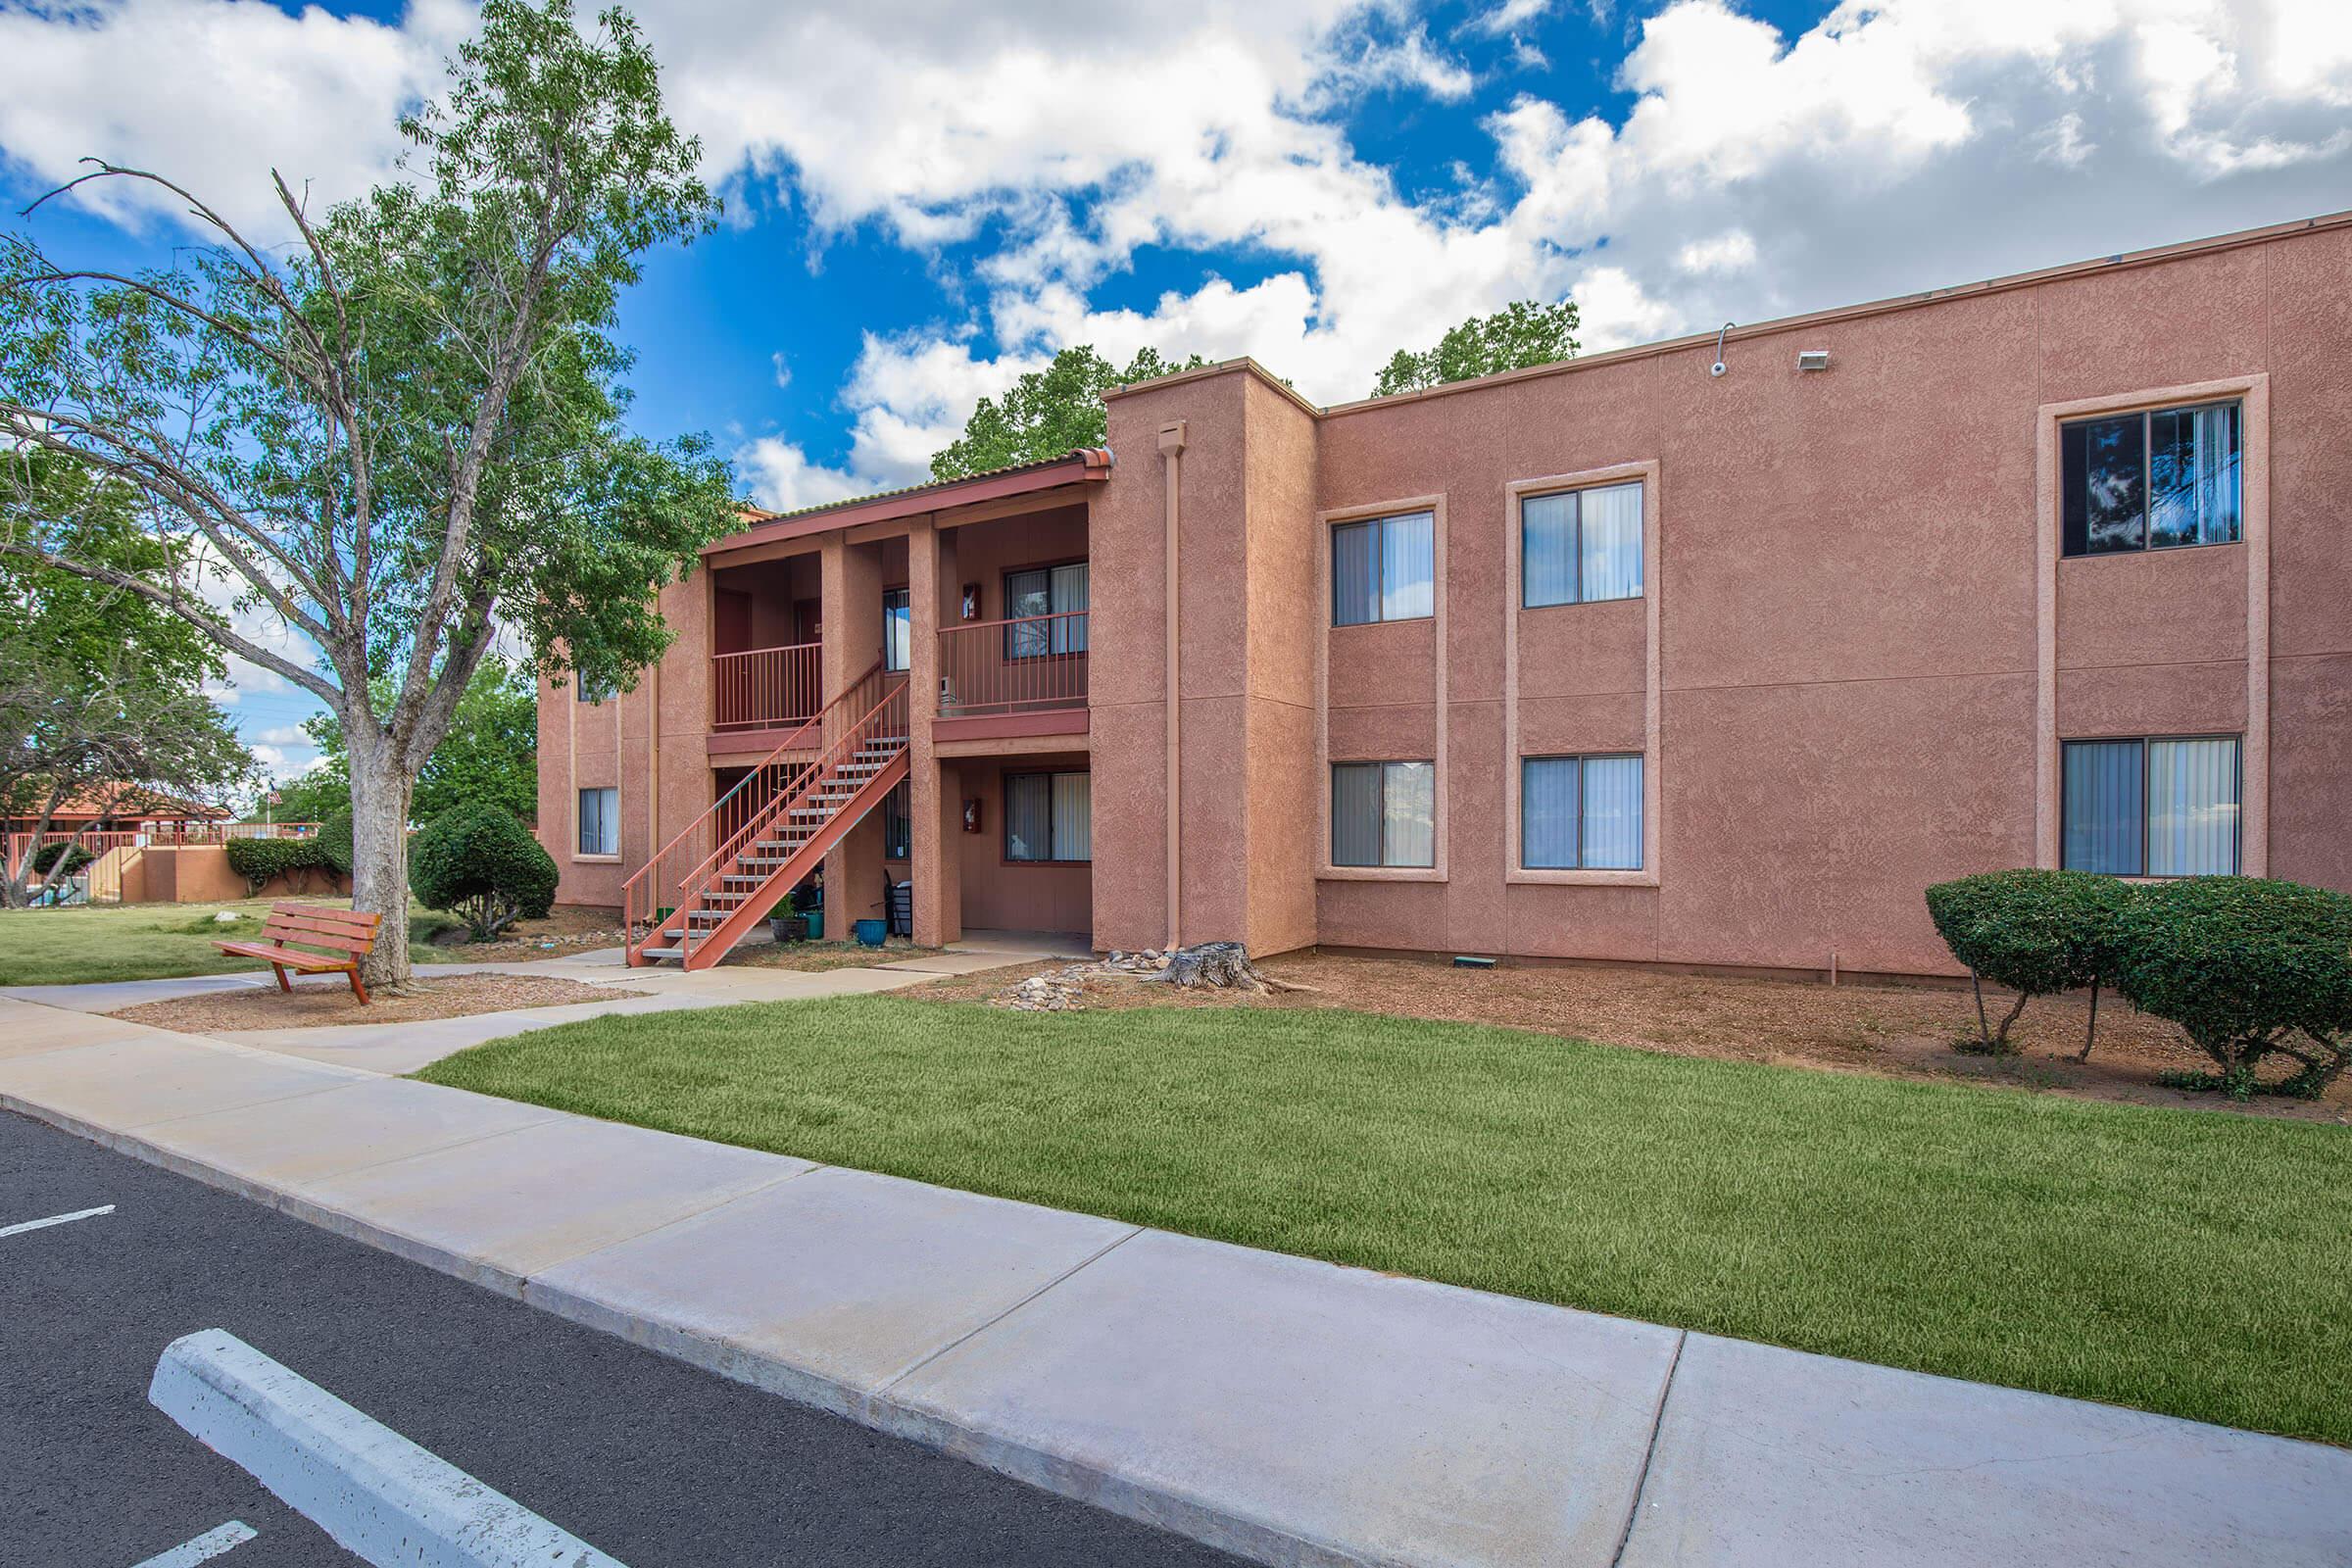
x=1712, y=652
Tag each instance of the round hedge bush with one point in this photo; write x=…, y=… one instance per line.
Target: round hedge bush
x=2036, y=932
x=2250, y=967
x=46, y=859
x=482, y=865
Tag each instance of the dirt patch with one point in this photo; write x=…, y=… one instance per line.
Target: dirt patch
x=564, y=932
x=1898, y=1031
x=319, y=1001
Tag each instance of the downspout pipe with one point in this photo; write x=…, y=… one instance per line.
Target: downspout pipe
x=1171, y=453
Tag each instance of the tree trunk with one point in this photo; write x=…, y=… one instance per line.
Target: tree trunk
x=2091, y=1037
x=1220, y=966
x=379, y=864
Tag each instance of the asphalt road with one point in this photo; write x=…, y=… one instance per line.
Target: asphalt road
x=655, y=1462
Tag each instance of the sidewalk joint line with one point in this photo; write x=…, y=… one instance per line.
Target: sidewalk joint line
x=674, y=1219
x=960, y=1339
x=1650, y=1450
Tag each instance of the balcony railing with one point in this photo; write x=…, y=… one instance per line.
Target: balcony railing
x=762, y=688
x=1032, y=664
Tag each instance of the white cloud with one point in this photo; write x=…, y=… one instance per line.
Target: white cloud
x=1898, y=144
x=283, y=735
x=782, y=370
x=214, y=93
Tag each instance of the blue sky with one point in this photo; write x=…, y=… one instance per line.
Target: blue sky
x=926, y=200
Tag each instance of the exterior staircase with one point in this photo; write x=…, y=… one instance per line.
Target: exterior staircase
x=720, y=877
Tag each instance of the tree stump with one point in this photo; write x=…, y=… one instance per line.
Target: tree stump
x=1217, y=965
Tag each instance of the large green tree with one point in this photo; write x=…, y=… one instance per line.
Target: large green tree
x=406, y=427
x=101, y=699
x=1047, y=413
x=490, y=755
x=1522, y=333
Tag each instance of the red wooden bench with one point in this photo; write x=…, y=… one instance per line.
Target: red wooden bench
x=292, y=927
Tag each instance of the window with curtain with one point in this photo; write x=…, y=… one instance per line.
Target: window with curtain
x=1058, y=591
x=1384, y=568
x=898, y=822
x=1576, y=546
x=1048, y=816
x=1384, y=813
x=898, y=629
x=2153, y=481
x=2150, y=807
x=1580, y=813
x=600, y=821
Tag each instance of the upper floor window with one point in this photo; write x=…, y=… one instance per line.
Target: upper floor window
x=2151, y=808
x=587, y=691
x=1384, y=568
x=1384, y=813
x=1580, y=545
x=600, y=821
x=898, y=629
x=1580, y=813
x=1057, y=592
x=2152, y=480
x=1048, y=816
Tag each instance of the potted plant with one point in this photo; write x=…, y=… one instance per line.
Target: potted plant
x=793, y=925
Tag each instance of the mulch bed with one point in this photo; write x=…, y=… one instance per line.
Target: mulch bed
x=566, y=931
x=329, y=1001
x=1899, y=1031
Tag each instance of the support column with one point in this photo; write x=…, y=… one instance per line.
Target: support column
x=851, y=589
x=936, y=845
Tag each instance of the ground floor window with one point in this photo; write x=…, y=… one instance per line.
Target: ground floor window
x=1384, y=813
x=1580, y=813
x=898, y=822
x=600, y=821
x=2151, y=808
x=1048, y=816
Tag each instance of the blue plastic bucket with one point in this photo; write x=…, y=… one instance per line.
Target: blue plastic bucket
x=870, y=933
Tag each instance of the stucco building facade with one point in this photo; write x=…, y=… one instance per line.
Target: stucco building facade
x=1620, y=659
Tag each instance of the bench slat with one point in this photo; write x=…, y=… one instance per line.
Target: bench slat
x=328, y=911
x=308, y=962
x=317, y=935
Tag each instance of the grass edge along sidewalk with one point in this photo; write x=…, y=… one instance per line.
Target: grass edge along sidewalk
x=2185, y=1262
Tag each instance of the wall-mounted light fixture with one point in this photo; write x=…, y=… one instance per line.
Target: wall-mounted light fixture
x=1718, y=367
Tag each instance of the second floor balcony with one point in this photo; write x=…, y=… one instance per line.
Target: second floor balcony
x=1025, y=664
x=763, y=688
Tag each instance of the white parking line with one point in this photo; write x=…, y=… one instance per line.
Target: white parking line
x=204, y=1548
x=56, y=1219
x=379, y=1494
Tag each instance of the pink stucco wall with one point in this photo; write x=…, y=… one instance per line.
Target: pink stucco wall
x=1845, y=665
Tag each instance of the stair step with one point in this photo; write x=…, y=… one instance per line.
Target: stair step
x=661, y=952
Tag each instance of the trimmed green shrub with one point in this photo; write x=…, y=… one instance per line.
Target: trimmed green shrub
x=483, y=866
x=2037, y=932
x=2251, y=968
x=334, y=843
x=261, y=860
x=46, y=859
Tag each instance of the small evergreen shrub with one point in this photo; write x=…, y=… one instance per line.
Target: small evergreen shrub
x=334, y=843
x=2036, y=932
x=261, y=860
x=482, y=865
x=46, y=860
x=2251, y=968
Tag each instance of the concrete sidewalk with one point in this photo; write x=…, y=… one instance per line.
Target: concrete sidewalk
x=1295, y=1411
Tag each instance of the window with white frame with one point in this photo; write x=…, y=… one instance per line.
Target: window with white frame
x=2157, y=479
x=600, y=821
x=2161, y=806
x=1575, y=546
x=588, y=691
x=1384, y=568
x=1580, y=813
x=1057, y=592
x=898, y=629
x=1384, y=813
x=1048, y=816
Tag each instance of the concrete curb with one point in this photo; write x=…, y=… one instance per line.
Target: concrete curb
x=379, y=1494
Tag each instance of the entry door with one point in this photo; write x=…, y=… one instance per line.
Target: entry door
x=734, y=621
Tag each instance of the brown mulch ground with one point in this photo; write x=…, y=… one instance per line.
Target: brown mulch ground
x=328, y=999
x=1901, y=1031
x=566, y=930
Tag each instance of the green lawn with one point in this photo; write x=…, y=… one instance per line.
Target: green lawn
x=2192, y=1262
x=143, y=942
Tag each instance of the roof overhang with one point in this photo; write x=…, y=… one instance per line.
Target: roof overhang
x=1073, y=472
